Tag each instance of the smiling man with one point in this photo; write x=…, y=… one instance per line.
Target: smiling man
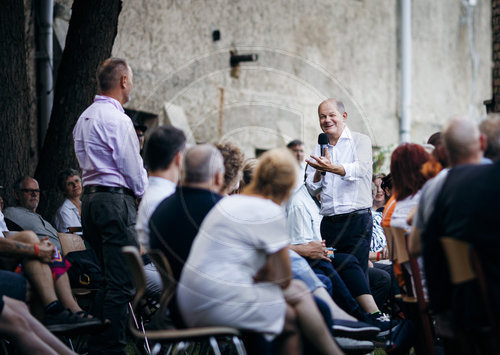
x=345, y=187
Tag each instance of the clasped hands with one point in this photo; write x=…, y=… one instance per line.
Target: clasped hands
x=46, y=250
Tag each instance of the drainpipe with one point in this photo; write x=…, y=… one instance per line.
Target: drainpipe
x=406, y=43
x=45, y=63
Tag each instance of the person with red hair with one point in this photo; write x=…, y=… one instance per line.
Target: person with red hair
x=408, y=177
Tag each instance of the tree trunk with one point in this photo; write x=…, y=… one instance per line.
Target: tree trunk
x=91, y=34
x=15, y=96
x=495, y=37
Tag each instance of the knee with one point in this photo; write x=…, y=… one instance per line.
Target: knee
x=295, y=292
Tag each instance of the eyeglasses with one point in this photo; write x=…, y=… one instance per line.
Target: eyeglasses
x=31, y=191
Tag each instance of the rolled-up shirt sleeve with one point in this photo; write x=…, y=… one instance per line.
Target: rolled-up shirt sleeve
x=363, y=164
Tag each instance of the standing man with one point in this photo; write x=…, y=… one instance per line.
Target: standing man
x=344, y=185
x=113, y=176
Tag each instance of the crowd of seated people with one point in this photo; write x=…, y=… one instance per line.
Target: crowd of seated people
x=243, y=240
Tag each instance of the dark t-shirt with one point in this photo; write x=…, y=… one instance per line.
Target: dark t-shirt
x=467, y=208
x=175, y=223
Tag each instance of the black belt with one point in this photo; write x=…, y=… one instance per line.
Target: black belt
x=345, y=216
x=112, y=189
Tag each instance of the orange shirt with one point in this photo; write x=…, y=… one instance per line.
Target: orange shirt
x=388, y=210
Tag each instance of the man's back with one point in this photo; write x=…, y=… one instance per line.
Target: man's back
x=467, y=208
x=176, y=222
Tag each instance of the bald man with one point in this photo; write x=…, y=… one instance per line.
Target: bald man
x=463, y=144
x=342, y=175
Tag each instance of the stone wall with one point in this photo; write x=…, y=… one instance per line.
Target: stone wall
x=307, y=51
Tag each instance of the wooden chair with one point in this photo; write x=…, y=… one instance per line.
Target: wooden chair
x=172, y=336
x=75, y=229
x=414, y=299
x=464, y=266
x=71, y=242
x=423, y=304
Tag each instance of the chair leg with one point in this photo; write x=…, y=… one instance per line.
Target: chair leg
x=238, y=344
x=215, y=346
x=179, y=347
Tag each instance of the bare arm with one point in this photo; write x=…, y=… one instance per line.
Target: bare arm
x=10, y=247
x=276, y=269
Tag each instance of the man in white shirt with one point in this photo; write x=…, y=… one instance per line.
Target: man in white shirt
x=342, y=175
x=163, y=156
x=296, y=147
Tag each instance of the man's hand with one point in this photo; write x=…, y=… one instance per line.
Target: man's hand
x=46, y=250
x=316, y=250
x=324, y=164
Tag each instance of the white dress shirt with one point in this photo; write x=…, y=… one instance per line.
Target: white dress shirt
x=107, y=147
x=158, y=190
x=345, y=194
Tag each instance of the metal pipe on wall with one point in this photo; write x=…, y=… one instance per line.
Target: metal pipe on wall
x=45, y=64
x=406, y=72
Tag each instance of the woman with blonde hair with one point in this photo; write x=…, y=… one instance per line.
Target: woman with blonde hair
x=238, y=271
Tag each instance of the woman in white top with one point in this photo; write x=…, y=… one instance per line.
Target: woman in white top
x=238, y=271
x=68, y=215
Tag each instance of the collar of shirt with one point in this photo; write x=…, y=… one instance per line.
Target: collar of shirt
x=107, y=99
x=346, y=134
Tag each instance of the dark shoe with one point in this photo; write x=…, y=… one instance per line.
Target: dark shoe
x=383, y=322
x=354, y=329
x=66, y=321
x=351, y=346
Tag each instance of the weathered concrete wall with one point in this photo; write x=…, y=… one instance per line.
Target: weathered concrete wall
x=307, y=51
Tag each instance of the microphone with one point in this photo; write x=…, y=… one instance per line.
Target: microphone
x=323, y=142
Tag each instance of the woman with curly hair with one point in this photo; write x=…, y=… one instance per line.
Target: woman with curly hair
x=233, y=163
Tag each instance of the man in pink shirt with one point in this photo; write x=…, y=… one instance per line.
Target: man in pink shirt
x=113, y=177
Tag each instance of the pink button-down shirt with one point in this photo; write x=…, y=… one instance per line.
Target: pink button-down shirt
x=107, y=147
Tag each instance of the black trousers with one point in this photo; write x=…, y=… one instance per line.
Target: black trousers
x=351, y=235
x=108, y=221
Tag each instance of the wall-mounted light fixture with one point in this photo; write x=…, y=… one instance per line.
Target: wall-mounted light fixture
x=236, y=59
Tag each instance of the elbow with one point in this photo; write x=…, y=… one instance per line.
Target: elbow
x=284, y=283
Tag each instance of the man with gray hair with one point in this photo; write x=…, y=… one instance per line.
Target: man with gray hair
x=463, y=144
x=490, y=127
x=176, y=220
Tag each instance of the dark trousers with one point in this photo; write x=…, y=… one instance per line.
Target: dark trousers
x=340, y=293
x=108, y=221
x=349, y=235
x=380, y=285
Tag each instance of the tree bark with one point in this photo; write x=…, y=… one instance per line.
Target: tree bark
x=15, y=96
x=92, y=30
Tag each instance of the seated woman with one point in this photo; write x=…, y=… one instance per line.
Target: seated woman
x=68, y=215
x=408, y=177
x=238, y=271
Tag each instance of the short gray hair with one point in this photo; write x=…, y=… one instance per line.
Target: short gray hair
x=490, y=127
x=461, y=138
x=201, y=164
